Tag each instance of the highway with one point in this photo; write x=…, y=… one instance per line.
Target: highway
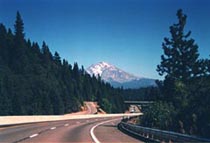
x=94, y=130
x=81, y=130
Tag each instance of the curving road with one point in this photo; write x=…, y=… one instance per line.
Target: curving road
x=89, y=130
x=91, y=108
x=84, y=130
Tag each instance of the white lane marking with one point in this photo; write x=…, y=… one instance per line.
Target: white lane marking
x=77, y=122
x=66, y=125
x=34, y=135
x=93, y=128
x=53, y=128
x=87, y=121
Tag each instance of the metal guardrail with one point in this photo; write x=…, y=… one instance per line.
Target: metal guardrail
x=159, y=135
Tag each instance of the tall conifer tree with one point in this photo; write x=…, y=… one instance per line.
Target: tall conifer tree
x=180, y=59
x=19, y=27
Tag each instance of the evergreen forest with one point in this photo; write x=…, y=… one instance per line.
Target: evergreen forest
x=33, y=81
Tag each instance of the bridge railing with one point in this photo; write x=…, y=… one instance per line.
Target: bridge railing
x=159, y=135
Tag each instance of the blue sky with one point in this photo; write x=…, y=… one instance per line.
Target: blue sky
x=126, y=33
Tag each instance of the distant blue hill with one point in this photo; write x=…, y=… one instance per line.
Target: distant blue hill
x=144, y=82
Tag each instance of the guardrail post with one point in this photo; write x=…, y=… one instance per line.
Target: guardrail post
x=147, y=135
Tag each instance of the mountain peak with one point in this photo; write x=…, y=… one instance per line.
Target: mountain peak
x=110, y=73
x=117, y=77
x=104, y=65
x=97, y=69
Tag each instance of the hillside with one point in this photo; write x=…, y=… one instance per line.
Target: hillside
x=33, y=81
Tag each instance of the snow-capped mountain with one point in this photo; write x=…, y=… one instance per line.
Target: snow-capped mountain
x=117, y=77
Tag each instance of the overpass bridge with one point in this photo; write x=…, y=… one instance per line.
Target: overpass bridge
x=136, y=106
x=141, y=103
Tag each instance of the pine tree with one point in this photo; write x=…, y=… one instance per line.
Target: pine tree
x=186, y=83
x=47, y=57
x=180, y=59
x=3, y=45
x=19, y=54
x=76, y=72
x=57, y=58
x=19, y=27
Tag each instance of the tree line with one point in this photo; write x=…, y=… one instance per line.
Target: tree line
x=33, y=81
x=183, y=104
x=150, y=93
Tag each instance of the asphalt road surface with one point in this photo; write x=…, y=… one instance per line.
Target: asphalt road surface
x=98, y=130
x=89, y=130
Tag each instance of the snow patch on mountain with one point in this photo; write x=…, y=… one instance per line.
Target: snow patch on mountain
x=110, y=73
x=98, y=69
